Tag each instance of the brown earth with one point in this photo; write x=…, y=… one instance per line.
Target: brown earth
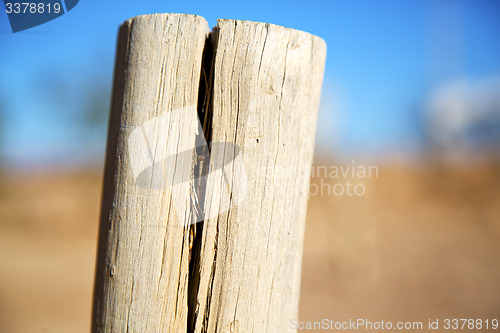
x=421, y=243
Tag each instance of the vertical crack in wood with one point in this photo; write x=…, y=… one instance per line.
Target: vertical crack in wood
x=215, y=272
x=201, y=167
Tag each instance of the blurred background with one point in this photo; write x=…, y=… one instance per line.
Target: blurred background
x=411, y=89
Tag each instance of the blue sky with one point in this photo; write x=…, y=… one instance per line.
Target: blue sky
x=384, y=58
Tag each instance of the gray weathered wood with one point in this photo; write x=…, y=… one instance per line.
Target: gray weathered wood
x=238, y=270
x=267, y=83
x=143, y=255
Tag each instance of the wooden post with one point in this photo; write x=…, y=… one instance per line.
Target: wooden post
x=256, y=89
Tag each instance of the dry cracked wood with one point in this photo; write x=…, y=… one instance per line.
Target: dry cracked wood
x=239, y=269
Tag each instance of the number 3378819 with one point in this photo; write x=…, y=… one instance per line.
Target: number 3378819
x=32, y=8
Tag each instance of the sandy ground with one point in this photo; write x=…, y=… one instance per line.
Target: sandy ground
x=420, y=244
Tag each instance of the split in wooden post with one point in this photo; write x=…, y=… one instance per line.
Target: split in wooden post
x=210, y=146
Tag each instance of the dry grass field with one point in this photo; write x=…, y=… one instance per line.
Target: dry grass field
x=421, y=243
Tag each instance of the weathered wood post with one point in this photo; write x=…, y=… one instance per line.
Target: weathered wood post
x=255, y=89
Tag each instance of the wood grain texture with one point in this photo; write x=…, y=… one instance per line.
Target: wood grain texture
x=267, y=83
x=238, y=270
x=143, y=255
